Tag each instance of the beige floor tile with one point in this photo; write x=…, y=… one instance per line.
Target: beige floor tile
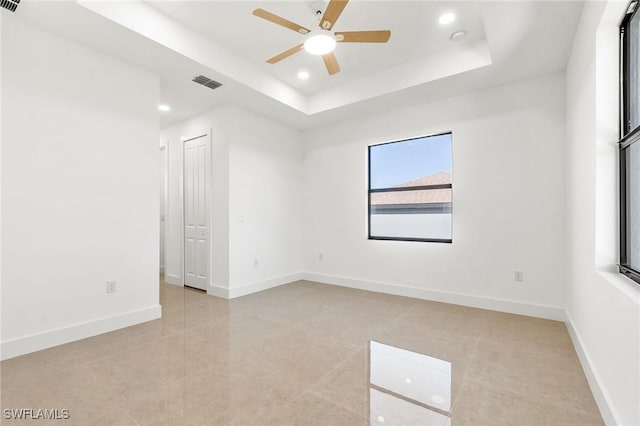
x=539, y=375
x=145, y=368
x=236, y=394
x=480, y=404
x=526, y=331
x=82, y=393
x=164, y=406
x=288, y=312
x=242, y=330
x=347, y=386
x=465, y=322
x=374, y=306
x=312, y=410
x=298, y=355
x=350, y=327
x=304, y=358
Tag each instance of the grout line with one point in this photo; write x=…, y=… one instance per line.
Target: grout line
x=129, y=414
x=466, y=369
x=317, y=382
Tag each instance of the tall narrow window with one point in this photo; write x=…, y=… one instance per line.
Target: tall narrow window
x=629, y=145
x=410, y=190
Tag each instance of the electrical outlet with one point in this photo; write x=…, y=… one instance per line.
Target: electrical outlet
x=111, y=286
x=518, y=276
x=320, y=257
x=255, y=263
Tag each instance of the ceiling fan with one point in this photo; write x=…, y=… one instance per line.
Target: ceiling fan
x=322, y=41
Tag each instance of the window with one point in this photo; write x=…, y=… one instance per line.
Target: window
x=629, y=145
x=410, y=190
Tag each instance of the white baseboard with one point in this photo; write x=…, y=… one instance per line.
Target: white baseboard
x=599, y=394
x=218, y=291
x=263, y=285
x=494, y=304
x=233, y=292
x=47, y=339
x=162, y=269
x=173, y=279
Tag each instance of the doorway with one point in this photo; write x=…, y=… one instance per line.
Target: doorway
x=196, y=188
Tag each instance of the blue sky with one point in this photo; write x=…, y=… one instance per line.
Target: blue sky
x=395, y=163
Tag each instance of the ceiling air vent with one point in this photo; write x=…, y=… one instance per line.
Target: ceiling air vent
x=201, y=79
x=11, y=5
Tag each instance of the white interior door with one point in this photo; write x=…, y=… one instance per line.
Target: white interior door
x=196, y=217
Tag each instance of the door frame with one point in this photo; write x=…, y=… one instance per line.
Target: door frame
x=209, y=176
x=164, y=150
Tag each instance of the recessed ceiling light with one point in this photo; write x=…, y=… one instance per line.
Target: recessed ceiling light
x=163, y=107
x=459, y=36
x=407, y=380
x=303, y=75
x=447, y=18
x=380, y=419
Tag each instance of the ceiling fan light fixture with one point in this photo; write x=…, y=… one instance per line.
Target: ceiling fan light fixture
x=447, y=18
x=320, y=42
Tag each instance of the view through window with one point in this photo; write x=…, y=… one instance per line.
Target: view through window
x=410, y=190
x=629, y=145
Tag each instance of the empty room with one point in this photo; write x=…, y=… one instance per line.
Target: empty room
x=320, y=212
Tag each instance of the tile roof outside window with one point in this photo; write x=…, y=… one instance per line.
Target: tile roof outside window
x=423, y=196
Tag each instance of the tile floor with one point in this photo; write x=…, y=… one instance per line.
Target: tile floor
x=300, y=355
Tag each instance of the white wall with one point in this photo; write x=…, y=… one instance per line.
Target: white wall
x=265, y=203
x=508, y=174
x=79, y=185
x=256, y=209
x=603, y=307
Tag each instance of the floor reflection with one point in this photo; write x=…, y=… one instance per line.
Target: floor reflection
x=408, y=388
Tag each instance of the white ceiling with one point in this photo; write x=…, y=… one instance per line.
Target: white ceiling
x=223, y=40
x=415, y=34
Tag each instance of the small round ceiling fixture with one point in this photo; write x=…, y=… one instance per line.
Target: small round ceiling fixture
x=303, y=75
x=459, y=36
x=164, y=108
x=320, y=42
x=447, y=18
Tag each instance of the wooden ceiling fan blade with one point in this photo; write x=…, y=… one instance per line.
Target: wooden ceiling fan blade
x=331, y=63
x=363, y=36
x=271, y=17
x=332, y=13
x=285, y=54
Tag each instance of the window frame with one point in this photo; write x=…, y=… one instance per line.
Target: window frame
x=409, y=188
x=628, y=137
